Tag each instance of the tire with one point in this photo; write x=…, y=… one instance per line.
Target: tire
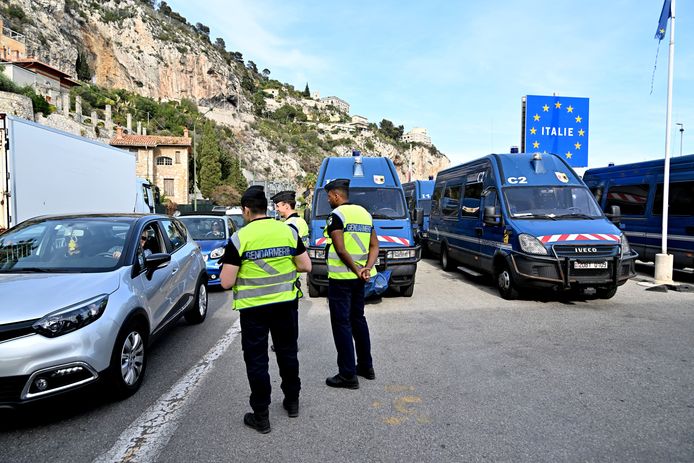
x=198, y=312
x=129, y=359
x=313, y=290
x=408, y=290
x=505, y=284
x=446, y=262
x=606, y=293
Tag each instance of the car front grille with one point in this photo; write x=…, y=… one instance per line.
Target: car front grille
x=11, y=388
x=567, y=250
x=16, y=330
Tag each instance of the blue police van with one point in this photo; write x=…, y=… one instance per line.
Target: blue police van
x=374, y=184
x=418, y=197
x=637, y=189
x=528, y=220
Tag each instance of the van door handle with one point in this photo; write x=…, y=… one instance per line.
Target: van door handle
x=478, y=231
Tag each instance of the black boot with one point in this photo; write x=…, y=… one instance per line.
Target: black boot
x=367, y=373
x=341, y=381
x=260, y=421
x=292, y=407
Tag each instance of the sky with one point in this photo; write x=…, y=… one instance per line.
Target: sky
x=460, y=68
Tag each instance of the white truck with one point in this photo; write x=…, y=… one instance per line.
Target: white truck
x=47, y=171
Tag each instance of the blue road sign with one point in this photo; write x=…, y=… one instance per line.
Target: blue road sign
x=559, y=125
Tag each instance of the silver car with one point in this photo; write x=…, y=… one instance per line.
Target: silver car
x=83, y=296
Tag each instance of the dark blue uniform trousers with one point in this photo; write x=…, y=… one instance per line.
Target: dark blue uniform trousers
x=346, y=301
x=282, y=321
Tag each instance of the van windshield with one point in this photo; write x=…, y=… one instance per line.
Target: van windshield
x=569, y=202
x=382, y=203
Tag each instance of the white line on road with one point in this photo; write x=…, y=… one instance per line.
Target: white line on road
x=145, y=438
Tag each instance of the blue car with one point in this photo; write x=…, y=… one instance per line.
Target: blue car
x=211, y=231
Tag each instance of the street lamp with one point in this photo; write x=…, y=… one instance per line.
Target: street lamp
x=681, y=134
x=195, y=159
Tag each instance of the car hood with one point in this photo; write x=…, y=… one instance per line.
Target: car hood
x=207, y=246
x=28, y=296
x=569, y=230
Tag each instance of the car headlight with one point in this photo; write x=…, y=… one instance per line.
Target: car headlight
x=71, y=318
x=401, y=254
x=217, y=253
x=316, y=253
x=531, y=245
x=626, y=249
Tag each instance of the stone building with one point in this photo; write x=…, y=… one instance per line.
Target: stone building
x=162, y=159
x=417, y=135
x=339, y=103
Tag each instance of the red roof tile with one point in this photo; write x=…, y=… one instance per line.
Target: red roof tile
x=149, y=140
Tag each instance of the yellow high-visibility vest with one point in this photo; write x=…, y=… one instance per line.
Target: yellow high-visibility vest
x=358, y=225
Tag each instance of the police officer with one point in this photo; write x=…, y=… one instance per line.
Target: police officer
x=285, y=201
x=351, y=255
x=261, y=263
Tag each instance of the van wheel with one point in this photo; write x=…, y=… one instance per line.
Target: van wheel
x=606, y=293
x=407, y=291
x=128, y=360
x=504, y=283
x=446, y=262
x=197, y=313
x=313, y=290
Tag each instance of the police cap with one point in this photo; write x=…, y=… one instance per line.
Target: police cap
x=341, y=183
x=287, y=195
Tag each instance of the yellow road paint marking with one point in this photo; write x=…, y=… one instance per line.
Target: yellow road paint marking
x=376, y=404
x=401, y=404
x=396, y=388
x=393, y=420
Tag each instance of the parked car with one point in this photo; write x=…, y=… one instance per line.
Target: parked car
x=83, y=297
x=212, y=231
x=237, y=216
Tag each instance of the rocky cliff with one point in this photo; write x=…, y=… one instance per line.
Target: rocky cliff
x=128, y=44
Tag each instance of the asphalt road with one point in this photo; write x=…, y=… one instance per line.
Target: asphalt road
x=462, y=375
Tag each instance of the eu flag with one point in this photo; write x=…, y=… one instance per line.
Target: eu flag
x=559, y=125
x=664, y=16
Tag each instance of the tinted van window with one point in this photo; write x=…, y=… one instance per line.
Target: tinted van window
x=680, y=199
x=631, y=199
x=451, y=200
x=471, y=200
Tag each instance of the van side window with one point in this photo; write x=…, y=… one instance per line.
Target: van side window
x=436, y=200
x=631, y=199
x=471, y=200
x=680, y=199
x=597, y=192
x=451, y=200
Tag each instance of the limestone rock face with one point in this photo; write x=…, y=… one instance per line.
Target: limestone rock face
x=129, y=45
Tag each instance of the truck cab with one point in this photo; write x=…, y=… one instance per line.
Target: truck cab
x=418, y=197
x=374, y=184
x=529, y=221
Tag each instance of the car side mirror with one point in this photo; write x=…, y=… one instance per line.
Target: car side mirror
x=491, y=217
x=157, y=261
x=615, y=215
x=419, y=216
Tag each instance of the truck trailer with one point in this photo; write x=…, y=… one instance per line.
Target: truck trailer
x=48, y=171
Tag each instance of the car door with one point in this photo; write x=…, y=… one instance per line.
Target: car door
x=181, y=256
x=157, y=286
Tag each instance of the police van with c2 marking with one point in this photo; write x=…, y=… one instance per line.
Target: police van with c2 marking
x=528, y=220
x=374, y=185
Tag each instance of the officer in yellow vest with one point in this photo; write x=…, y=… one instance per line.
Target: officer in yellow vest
x=261, y=263
x=285, y=201
x=351, y=256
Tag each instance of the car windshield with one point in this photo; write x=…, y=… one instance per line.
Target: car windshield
x=64, y=245
x=205, y=228
x=237, y=219
x=569, y=202
x=382, y=203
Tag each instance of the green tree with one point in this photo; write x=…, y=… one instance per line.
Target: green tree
x=219, y=43
x=82, y=68
x=209, y=155
x=307, y=92
x=389, y=130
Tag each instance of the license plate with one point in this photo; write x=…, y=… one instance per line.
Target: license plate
x=589, y=265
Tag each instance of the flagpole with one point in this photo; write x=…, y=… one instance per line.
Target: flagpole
x=664, y=262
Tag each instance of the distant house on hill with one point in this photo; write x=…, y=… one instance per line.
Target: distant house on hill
x=339, y=103
x=161, y=159
x=417, y=135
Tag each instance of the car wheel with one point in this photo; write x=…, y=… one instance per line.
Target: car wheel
x=129, y=359
x=198, y=312
x=446, y=263
x=313, y=290
x=505, y=284
x=408, y=291
x=606, y=293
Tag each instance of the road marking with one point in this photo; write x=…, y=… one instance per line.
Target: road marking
x=145, y=438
